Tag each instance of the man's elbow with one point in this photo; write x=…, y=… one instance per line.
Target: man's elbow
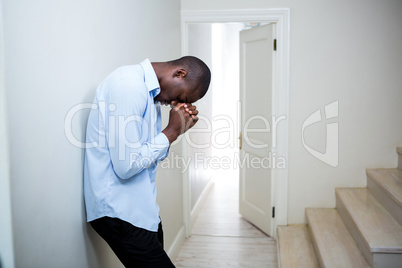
x=124, y=172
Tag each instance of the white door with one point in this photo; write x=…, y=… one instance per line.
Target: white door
x=256, y=67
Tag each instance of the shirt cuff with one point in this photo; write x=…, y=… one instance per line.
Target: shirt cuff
x=162, y=143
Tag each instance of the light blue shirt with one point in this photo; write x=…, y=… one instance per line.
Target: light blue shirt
x=124, y=145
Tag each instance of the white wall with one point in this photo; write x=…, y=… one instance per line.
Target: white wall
x=57, y=52
x=200, y=45
x=6, y=232
x=345, y=51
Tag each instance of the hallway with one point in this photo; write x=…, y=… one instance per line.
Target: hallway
x=222, y=238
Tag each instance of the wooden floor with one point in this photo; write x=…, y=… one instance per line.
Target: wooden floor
x=222, y=238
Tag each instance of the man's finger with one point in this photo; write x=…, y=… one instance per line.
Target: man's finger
x=195, y=112
x=178, y=106
x=189, y=108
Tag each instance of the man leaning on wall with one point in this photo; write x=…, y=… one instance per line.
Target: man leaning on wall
x=126, y=144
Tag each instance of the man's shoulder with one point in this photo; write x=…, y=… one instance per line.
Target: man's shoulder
x=133, y=73
x=127, y=76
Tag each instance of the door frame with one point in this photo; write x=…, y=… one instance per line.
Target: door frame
x=280, y=94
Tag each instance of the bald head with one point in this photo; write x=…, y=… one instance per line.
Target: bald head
x=184, y=80
x=198, y=75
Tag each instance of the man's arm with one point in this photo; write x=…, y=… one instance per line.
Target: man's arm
x=130, y=152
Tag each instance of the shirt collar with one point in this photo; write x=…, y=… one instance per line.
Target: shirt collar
x=150, y=78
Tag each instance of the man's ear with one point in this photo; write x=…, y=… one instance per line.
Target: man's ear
x=180, y=73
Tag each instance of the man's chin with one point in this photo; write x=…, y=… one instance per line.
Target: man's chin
x=162, y=103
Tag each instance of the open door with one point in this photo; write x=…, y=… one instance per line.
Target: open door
x=256, y=67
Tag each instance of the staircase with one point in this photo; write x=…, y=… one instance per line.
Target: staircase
x=364, y=230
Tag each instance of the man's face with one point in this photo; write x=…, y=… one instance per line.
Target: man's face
x=174, y=90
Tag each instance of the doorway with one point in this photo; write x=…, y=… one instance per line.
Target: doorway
x=280, y=93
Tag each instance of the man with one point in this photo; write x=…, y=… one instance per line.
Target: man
x=124, y=146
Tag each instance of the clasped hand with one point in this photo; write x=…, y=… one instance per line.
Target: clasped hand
x=182, y=117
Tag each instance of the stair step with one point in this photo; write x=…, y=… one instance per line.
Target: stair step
x=295, y=247
x=399, y=151
x=334, y=246
x=376, y=232
x=386, y=186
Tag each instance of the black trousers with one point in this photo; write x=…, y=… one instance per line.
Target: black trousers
x=135, y=247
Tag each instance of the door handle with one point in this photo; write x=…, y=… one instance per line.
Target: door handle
x=240, y=140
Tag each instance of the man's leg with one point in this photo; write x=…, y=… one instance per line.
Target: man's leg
x=135, y=247
x=160, y=234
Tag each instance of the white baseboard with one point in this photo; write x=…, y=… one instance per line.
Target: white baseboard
x=198, y=205
x=278, y=253
x=178, y=241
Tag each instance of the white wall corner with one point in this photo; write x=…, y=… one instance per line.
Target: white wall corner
x=175, y=247
x=6, y=231
x=200, y=202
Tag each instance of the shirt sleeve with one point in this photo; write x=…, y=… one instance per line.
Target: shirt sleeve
x=130, y=149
